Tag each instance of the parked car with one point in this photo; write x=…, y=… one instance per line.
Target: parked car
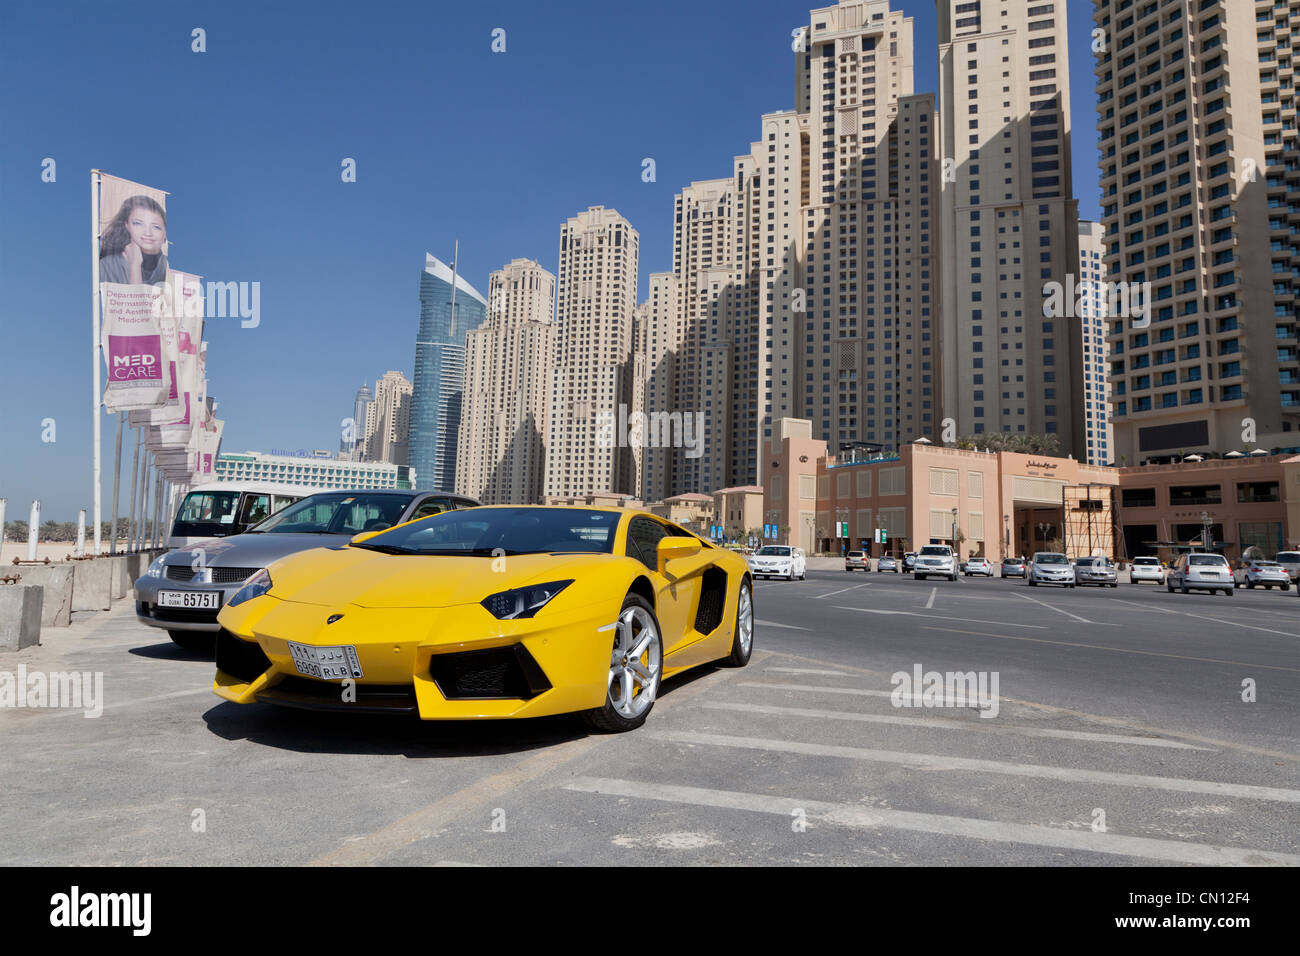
x=1291, y=561
x=1013, y=567
x=909, y=561
x=1096, y=570
x=1201, y=571
x=978, y=565
x=857, y=561
x=1049, y=567
x=935, y=560
x=779, y=561
x=1265, y=574
x=1146, y=569
x=184, y=590
x=887, y=563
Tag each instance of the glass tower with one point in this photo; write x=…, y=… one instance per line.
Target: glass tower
x=440, y=373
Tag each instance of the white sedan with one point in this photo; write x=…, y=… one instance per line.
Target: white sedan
x=778, y=561
x=1146, y=569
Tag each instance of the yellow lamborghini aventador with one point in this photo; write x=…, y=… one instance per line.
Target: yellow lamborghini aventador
x=489, y=612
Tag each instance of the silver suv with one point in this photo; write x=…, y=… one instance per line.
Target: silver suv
x=935, y=560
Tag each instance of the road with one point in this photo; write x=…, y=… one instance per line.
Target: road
x=1119, y=736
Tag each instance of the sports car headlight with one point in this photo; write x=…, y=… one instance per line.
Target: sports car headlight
x=257, y=585
x=155, y=570
x=522, y=602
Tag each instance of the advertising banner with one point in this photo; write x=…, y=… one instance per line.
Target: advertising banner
x=132, y=342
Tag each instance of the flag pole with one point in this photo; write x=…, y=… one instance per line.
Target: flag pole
x=94, y=352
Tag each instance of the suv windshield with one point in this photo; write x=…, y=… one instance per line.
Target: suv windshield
x=494, y=532
x=772, y=551
x=336, y=512
x=1290, y=557
x=942, y=550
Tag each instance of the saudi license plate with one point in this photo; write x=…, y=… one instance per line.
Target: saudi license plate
x=203, y=600
x=332, y=662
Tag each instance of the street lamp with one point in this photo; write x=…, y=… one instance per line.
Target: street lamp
x=1006, y=535
x=1205, y=531
x=955, y=546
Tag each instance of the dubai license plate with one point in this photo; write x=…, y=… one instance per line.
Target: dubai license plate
x=204, y=600
x=333, y=662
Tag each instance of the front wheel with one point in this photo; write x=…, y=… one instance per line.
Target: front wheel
x=635, y=667
x=742, y=643
x=1228, y=591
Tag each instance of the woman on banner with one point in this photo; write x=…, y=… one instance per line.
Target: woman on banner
x=131, y=248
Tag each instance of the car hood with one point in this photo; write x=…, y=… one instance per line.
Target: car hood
x=252, y=550
x=333, y=578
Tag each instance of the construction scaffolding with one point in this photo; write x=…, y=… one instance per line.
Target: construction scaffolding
x=1089, y=513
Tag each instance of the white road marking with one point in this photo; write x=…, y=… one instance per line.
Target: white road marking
x=1145, y=607
x=938, y=617
x=842, y=590
x=134, y=702
x=804, y=670
x=1052, y=607
x=940, y=762
x=984, y=726
x=860, y=817
x=930, y=603
x=789, y=627
x=851, y=691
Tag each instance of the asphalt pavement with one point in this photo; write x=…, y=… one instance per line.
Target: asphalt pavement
x=1118, y=726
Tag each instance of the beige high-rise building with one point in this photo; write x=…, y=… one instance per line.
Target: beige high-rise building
x=1008, y=220
x=1199, y=165
x=592, y=375
x=662, y=342
x=501, y=455
x=1093, y=302
x=388, y=420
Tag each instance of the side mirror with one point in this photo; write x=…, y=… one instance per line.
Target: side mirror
x=672, y=548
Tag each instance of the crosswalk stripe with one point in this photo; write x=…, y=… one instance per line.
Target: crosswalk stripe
x=941, y=762
x=865, y=818
x=983, y=726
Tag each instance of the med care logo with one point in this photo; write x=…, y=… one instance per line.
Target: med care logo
x=135, y=358
x=76, y=909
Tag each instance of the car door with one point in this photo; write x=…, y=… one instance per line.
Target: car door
x=676, y=592
x=426, y=506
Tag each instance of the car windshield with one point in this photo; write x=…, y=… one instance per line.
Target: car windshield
x=494, y=532
x=1050, y=559
x=336, y=513
x=937, y=549
x=1205, y=560
x=1290, y=557
x=774, y=552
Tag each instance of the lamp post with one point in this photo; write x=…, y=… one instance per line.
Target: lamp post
x=955, y=546
x=1043, y=528
x=1206, y=542
x=1006, y=536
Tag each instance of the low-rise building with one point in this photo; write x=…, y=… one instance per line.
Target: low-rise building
x=315, y=470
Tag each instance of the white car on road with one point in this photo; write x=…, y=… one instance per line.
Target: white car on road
x=778, y=561
x=1201, y=571
x=1146, y=569
x=1049, y=567
x=935, y=560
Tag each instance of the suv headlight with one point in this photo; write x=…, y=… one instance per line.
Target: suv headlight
x=522, y=602
x=257, y=585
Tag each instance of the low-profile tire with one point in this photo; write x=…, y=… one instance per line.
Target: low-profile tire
x=196, y=642
x=742, y=641
x=635, y=618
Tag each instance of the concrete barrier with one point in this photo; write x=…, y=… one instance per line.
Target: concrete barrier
x=117, y=575
x=20, y=616
x=92, y=584
x=56, y=579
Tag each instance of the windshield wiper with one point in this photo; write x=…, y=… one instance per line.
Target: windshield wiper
x=385, y=548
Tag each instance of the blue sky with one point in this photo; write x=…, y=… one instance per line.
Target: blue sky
x=451, y=141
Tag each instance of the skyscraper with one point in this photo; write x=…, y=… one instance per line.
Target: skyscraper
x=1199, y=157
x=352, y=442
x=1093, y=347
x=388, y=420
x=1008, y=220
x=508, y=360
x=439, y=372
x=593, y=368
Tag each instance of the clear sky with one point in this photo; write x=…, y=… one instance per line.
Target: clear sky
x=451, y=141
